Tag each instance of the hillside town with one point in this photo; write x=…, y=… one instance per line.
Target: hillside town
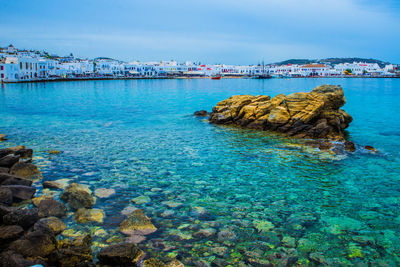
x=20, y=65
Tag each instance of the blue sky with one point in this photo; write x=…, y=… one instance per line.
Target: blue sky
x=212, y=31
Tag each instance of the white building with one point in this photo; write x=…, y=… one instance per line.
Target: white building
x=358, y=68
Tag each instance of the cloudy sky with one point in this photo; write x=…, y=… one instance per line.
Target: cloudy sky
x=212, y=31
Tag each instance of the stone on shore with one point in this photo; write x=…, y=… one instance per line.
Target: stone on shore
x=8, y=161
x=8, y=179
x=6, y=196
x=77, y=196
x=125, y=254
x=21, y=192
x=51, y=207
x=89, y=215
x=306, y=115
x=137, y=223
x=35, y=244
x=9, y=233
x=26, y=170
x=4, y=170
x=53, y=224
x=75, y=252
x=22, y=217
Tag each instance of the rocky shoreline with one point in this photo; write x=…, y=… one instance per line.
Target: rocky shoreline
x=33, y=229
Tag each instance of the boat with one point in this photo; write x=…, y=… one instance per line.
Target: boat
x=263, y=75
x=217, y=77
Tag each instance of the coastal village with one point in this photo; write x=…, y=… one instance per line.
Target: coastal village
x=30, y=65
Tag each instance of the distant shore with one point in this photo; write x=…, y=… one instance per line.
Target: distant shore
x=185, y=77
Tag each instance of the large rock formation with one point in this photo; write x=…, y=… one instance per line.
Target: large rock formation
x=306, y=115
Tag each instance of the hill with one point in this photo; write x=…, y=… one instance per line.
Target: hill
x=332, y=61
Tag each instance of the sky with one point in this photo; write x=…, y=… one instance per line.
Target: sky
x=207, y=31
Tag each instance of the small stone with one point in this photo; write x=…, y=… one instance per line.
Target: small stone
x=36, y=201
x=53, y=224
x=6, y=196
x=135, y=239
x=21, y=192
x=220, y=251
x=152, y=262
x=137, y=223
x=26, y=170
x=370, y=148
x=104, y=192
x=3, y=137
x=63, y=182
x=128, y=210
x=349, y=146
x=226, y=235
x=167, y=213
x=52, y=185
x=54, y=152
x=171, y=203
x=120, y=254
x=205, y=232
x=141, y=200
x=175, y=263
x=201, y=113
x=51, y=207
x=22, y=217
x=263, y=226
x=35, y=244
x=89, y=215
x=318, y=258
x=10, y=233
x=289, y=242
x=77, y=196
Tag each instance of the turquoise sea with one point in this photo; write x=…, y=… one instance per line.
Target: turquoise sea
x=219, y=195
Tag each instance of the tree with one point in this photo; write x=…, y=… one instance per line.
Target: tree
x=348, y=72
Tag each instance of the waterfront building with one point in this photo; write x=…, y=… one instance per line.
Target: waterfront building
x=359, y=68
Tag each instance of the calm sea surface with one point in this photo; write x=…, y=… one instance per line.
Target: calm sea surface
x=217, y=194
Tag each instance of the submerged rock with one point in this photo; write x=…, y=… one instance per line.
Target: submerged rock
x=201, y=113
x=77, y=252
x=125, y=254
x=370, y=148
x=89, y=215
x=52, y=185
x=77, y=196
x=3, y=137
x=152, y=262
x=104, y=192
x=306, y=115
x=137, y=223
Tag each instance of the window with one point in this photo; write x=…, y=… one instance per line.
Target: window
x=2, y=75
x=2, y=68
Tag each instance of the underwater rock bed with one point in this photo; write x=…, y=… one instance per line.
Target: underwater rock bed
x=32, y=228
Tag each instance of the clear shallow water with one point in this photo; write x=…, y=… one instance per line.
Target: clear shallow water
x=267, y=198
